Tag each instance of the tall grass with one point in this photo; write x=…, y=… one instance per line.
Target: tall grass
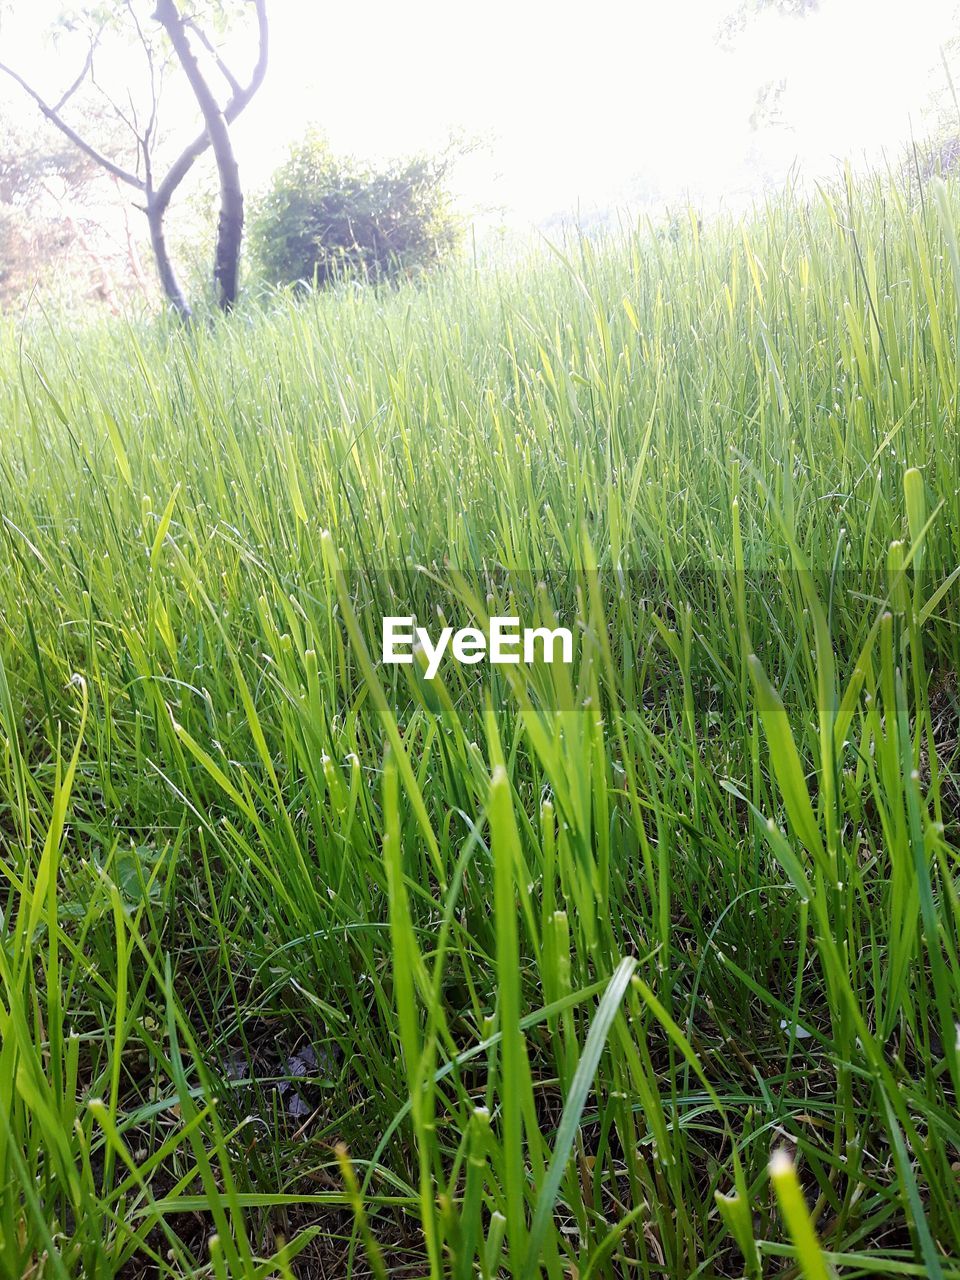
x=313, y=966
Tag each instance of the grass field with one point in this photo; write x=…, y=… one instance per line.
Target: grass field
x=643, y=967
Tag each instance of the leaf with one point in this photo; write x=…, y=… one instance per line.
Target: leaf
x=573, y=1109
x=786, y=760
x=134, y=872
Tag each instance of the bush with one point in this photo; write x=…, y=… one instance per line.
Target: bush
x=326, y=218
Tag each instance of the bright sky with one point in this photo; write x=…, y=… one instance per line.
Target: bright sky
x=587, y=105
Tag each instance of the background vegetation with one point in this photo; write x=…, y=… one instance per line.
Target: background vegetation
x=325, y=218
x=503, y=974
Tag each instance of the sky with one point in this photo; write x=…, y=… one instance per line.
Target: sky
x=575, y=106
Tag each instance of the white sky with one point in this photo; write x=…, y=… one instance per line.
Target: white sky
x=579, y=103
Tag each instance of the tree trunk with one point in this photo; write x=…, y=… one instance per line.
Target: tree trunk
x=226, y=269
x=168, y=277
x=226, y=265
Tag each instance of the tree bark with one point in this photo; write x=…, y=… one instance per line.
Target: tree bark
x=168, y=276
x=226, y=264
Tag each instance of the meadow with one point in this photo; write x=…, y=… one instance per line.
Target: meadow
x=645, y=966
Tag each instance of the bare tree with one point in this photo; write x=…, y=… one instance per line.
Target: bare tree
x=155, y=194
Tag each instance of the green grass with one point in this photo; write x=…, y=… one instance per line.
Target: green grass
x=565, y=955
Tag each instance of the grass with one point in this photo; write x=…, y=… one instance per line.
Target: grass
x=643, y=967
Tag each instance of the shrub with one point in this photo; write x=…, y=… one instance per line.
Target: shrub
x=324, y=217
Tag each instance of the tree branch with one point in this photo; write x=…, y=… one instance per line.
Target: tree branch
x=211, y=48
x=58, y=106
x=154, y=95
x=53, y=115
x=239, y=99
x=130, y=122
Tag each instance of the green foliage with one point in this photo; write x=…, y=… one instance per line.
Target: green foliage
x=511, y=973
x=326, y=218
